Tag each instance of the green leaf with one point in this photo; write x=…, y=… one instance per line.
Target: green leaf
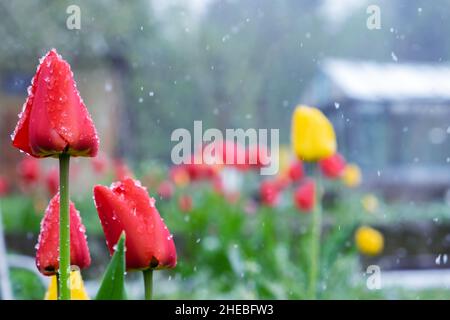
x=113, y=286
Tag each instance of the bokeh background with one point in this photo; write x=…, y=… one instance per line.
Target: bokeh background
x=145, y=68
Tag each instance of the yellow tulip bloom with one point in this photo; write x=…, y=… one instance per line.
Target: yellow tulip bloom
x=369, y=241
x=352, y=175
x=312, y=134
x=77, y=291
x=369, y=203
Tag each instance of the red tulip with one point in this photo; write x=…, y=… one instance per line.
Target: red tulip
x=52, y=180
x=166, y=189
x=229, y=153
x=304, y=196
x=126, y=206
x=296, y=171
x=47, y=255
x=201, y=171
x=269, y=192
x=4, y=186
x=185, y=203
x=54, y=118
x=29, y=170
x=333, y=167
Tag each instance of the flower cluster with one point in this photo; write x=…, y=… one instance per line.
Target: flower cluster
x=55, y=122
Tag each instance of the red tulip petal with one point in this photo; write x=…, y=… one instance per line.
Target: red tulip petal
x=47, y=255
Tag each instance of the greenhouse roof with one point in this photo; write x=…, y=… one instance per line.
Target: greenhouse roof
x=364, y=80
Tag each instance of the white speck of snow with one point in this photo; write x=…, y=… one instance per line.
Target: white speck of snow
x=151, y=94
x=198, y=240
x=108, y=87
x=336, y=105
x=394, y=57
x=141, y=100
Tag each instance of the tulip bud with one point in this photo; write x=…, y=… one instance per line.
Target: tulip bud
x=305, y=196
x=165, y=189
x=121, y=170
x=257, y=156
x=296, y=171
x=99, y=163
x=179, y=175
x=333, y=167
x=126, y=206
x=47, y=255
x=269, y=192
x=369, y=241
x=52, y=181
x=312, y=134
x=185, y=203
x=77, y=290
x=29, y=170
x=352, y=175
x=54, y=118
x=4, y=186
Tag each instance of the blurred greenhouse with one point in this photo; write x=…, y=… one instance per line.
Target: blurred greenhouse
x=363, y=115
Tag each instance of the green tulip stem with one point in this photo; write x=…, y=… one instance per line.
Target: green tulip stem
x=64, y=229
x=148, y=283
x=315, y=239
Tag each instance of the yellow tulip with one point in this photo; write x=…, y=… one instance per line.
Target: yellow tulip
x=369, y=241
x=312, y=134
x=369, y=203
x=352, y=175
x=77, y=291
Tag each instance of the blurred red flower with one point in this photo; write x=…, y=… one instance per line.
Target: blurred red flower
x=54, y=118
x=179, y=175
x=304, y=195
x=228, y=153
x=4, y=186
x=47, y=255
x=269, y=192
x=333, y=167
x=126, y=206
x=121, y=170
x=296, y=171
x=256, y=156
x=100, y=163
x=185, y=203
x=29, y=170
x=165, y=189
x=201, y=171
x=52, y=180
